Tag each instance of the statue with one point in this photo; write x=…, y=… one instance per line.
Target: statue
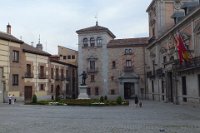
x=84, y=77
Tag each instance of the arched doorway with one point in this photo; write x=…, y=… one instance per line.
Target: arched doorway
x=57, y=91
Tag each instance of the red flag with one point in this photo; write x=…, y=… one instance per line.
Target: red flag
x=182, y=51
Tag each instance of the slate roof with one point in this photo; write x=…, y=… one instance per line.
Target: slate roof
x=9, y=37
x=129, y=42
x=30, y=49
x=95, y=29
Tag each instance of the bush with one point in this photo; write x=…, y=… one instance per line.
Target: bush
x=101, y=99
x=34, y=99
x=119, y=100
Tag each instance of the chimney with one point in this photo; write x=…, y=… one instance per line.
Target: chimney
x=9, y=28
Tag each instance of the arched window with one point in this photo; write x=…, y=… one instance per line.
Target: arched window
x=99, y=41
x=85, y=42
x=92, y=42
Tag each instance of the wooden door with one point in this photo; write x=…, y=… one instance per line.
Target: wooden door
x=28, y=94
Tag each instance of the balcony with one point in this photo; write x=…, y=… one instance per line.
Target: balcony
x=42, y=76
x=150, y=75
x=93, y=70
x=57, y=78
x=28, y=75
x=128, y=69
x=192, y=64
x=159, y=72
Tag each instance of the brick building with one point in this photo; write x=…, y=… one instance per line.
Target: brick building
x=167, y=79
x=26, y=70
x=114, y=67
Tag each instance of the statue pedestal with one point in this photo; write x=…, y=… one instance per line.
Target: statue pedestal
x=83, y=93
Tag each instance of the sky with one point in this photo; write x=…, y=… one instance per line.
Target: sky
x=56, y=21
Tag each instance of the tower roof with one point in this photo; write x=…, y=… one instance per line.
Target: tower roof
x=95, y=29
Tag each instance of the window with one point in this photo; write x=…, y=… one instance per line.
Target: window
x=57, y=73
x=15, y=56
x=112, y=78
x=92, y=65
x=128, y=51
x=64, y=57
x=92, y=78
x=62, y=74
x=73, y=56
x=112, y=92
x=15, y=79
x=92, y=42
x=96, y=91
x=51, y=88
x=69, y=56
x=153, y=32
x=113, y=64
x=52, y=75
x=88, y=91
x=41, y=87
x=128, y=63
x=42, y=74
x=85, y=42
x=99, y=42
x=172, y=58
x=184, y=89
x=28, y=70
x=164, y=59
x=67, y=73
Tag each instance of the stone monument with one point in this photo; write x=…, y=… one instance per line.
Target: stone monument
x=83, y=87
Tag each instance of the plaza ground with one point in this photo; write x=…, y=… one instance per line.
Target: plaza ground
x=153, y=117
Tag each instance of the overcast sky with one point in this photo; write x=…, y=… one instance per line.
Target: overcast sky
x=56, y=21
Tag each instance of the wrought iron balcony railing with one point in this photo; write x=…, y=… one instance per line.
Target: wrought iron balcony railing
x=28, y=75
x=42, y=76
x=192, y=64
x=159, y=72
x=93, y=70
x=128, y=69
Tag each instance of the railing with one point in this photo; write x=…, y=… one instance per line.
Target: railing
x=28, y=75
x=159, y=72
x=128, y=69
x=150, y=75
x=94, y=70
x=42, y=76
x=57, y=78
x=192, y=64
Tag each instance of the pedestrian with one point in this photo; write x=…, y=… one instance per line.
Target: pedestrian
x=13, y=99
x=140, y=104
x=9, y=99
x=136, y=100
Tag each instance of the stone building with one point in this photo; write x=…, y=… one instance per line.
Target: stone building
x=126, y=75
x=167, y=79
x=26, y=70
x=114, y=67
x=68, y=55
x=9, y=57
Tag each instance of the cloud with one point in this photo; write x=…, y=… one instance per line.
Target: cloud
x=57, y=20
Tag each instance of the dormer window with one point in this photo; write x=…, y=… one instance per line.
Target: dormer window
x=85, y=42
x=99, y=41
x=92, y=42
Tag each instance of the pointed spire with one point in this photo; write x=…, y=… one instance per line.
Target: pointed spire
x=39, y=39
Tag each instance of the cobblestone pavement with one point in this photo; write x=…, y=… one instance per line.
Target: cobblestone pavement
x=153, y=117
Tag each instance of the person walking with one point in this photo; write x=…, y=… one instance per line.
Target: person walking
x=13, y=99
x=136, y=100
x=9, y=99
